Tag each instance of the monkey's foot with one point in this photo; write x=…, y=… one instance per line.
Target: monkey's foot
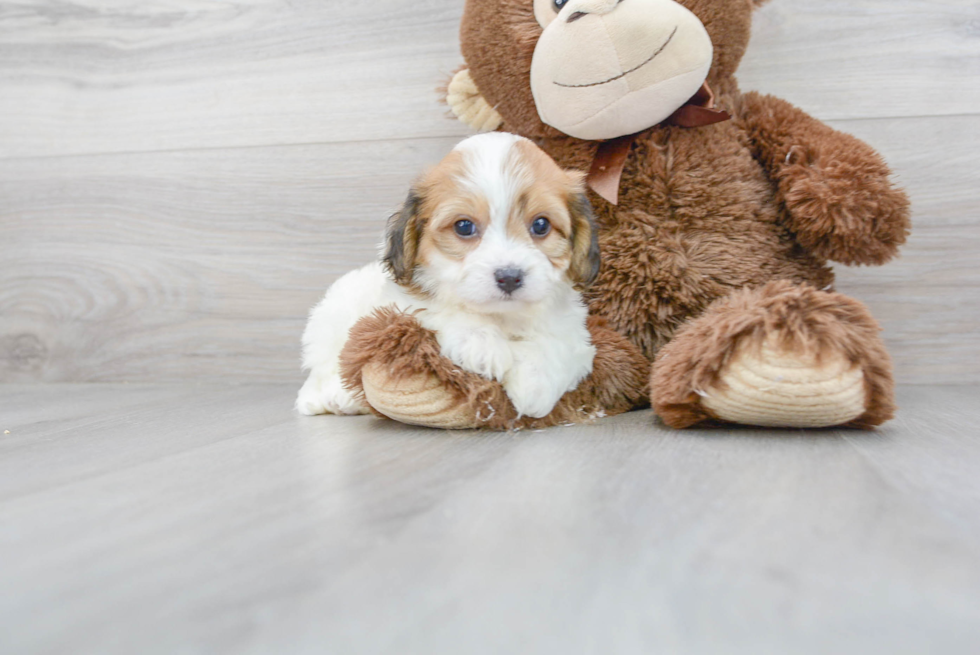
x=782, y=355
x=421, y=399
x=777, y=387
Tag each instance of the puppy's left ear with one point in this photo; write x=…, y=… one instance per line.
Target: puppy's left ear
x=402, y=240
x=585, y=241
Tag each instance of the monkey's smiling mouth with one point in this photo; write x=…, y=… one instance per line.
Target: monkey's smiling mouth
x=622, y=75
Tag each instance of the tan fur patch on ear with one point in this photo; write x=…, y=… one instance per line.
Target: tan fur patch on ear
x=546, y=171
x=567, y=187
x=443, y=202
x=758, y=3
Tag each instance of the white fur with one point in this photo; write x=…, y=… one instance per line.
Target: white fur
x=534, y=342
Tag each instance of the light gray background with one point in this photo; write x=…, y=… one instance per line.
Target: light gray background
x=181, y=181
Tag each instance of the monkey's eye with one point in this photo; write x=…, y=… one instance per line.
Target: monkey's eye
x=465, y=228
x=541, y=226
x=558, y=5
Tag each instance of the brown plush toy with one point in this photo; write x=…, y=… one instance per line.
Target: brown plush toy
x=717, y=210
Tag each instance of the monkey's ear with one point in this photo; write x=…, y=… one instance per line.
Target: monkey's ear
x=585, y=242
x=402, y=240
x=468, y=105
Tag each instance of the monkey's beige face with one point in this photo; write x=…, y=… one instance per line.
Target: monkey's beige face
x=607, y=68
x=497, y=225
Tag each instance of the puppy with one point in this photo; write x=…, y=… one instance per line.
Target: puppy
x=492, y=245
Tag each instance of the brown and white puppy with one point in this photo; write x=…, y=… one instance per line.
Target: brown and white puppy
x=493, y=245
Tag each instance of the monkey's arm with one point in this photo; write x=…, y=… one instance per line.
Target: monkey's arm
x=394, y=365
x=834, y=187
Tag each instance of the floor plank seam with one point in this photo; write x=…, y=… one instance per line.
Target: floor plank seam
x=455, y=133
x=451, y=134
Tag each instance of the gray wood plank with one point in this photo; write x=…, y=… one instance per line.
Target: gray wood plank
x=937, y=465
x=840, y=59
x=175, y=266
x=928, y=300
x=237, y=526
x=162, y=420
x=202, y=265
x=86, y=77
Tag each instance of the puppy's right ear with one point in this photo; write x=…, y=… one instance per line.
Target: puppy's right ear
x=402, y=240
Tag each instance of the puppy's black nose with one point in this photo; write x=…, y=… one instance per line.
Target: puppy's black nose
x=509, y=279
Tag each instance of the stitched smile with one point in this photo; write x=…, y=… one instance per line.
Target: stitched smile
x=622, y=75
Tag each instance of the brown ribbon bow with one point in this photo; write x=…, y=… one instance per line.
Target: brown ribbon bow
x=610, y=158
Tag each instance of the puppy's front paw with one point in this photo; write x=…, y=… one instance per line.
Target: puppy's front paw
x=483, y=351
x=325, y=394
x=532, y=393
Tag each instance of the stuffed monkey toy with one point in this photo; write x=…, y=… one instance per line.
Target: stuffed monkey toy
x=718, y=212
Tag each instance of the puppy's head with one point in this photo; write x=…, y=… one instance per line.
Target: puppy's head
x=497, y=225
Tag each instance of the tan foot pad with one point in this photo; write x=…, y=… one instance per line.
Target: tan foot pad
x=777, y=388
x=419, y=400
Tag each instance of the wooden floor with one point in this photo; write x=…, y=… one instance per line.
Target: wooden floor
x=214, y=519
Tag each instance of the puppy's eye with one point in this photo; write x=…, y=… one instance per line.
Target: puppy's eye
x=558, y=5
x=541, y=227
x=465, y=228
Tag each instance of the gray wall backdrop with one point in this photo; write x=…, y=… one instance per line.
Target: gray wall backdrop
x=179, y=182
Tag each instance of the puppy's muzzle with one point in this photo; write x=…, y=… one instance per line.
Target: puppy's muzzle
x=509, y=280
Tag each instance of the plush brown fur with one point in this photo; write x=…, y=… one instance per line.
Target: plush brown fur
x=722, y=232
x=399, y=343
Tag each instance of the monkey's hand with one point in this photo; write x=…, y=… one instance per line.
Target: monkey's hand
x=836, y=190
x=468, y=105
x=394, y=365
